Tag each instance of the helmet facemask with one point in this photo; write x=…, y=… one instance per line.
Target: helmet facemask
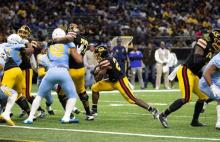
x=24, y=32
x=73, y=28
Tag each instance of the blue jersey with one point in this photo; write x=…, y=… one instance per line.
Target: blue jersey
x=58, y=54
x=43, y=60
x=13, y=50
x=216, y=75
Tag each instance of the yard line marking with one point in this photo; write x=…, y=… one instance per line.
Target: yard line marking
x=114, y=133
x=135, y=91
x=126, y=104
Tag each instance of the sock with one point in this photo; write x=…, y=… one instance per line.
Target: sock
x=87, y=109
x=209, y=100
x=22, y=102
x=150, y=109
x=173, y=107
x=34, y=107
x=69, y=108
x=30, y=99
x=63, y=100
x=9, y=105
x=197, y=110
x=94, y=107
x=218, y=116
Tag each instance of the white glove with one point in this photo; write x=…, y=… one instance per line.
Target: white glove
x=215, y=90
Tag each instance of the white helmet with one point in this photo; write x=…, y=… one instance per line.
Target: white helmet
x=14, y=39
x=3, y=54
x=57, y=33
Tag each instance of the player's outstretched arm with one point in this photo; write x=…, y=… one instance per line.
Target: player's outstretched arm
x=208, y=74
x=66, y=39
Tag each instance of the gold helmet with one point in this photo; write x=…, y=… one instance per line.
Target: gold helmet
x=24, y=31
x=215, y=39
x=101, y=52
x=73, y=28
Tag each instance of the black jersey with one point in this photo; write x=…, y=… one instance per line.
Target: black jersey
x=25, y=64
x=196, y=65
x=10, y=63
x=72, y=62
x=115, y=73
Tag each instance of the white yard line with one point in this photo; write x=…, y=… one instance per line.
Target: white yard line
x=135, y=91
x=116, y=133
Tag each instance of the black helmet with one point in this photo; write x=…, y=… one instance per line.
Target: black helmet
x=101, y=52
x=215, y=39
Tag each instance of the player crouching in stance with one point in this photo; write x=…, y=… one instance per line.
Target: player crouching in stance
x=108, y=66
x=209, y=83
x=58, y=55
x=6, y=92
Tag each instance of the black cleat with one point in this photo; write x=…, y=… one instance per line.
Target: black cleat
x=51, y=112
x=163, y=121
x=77, y=111
x=155, y=113
x=197, y=124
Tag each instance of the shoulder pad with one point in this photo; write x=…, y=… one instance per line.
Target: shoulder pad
x=202, y=43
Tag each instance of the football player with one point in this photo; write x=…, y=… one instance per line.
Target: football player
x=188, y=77
x=209, y=83
x=109, y=68
x=58, y=55
x=77, y=70
x=12, y=77
x=27, y=72
x=43, y=66
x=6, y=92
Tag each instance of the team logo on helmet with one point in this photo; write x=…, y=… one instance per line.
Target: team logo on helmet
x=101, y=52
x=73, y=28
x=215, y=39
x=24, y=31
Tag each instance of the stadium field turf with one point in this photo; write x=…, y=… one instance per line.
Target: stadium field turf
x=117, y=121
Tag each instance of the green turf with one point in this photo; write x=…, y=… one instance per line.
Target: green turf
x=124, y=119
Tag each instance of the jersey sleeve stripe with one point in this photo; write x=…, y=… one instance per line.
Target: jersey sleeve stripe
x=202, y=43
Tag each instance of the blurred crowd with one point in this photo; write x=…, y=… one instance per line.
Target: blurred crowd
x=101, y=20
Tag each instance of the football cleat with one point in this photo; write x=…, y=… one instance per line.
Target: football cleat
x=28, y=121
x=8, y=121
x=76, y=111
x=94, y=112
x=197, y=124
x=155, y=113
x=71, y=120
x=50, y=110
x=163, y=121
x=41, y=114
x=90, y=117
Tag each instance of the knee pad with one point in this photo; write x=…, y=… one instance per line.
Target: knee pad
x=83, y=97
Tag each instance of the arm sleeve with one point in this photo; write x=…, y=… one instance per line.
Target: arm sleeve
x=71, y=45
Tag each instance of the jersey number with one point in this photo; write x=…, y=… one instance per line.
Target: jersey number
x=57, y=50
x=116, y=64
